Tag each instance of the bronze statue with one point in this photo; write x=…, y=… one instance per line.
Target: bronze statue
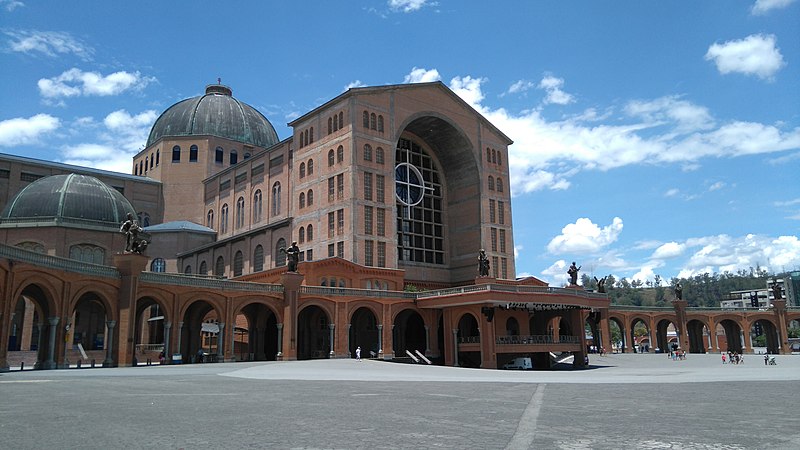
x=678, y=291
x=601, y=285
x=292, y=256
x=134, y=242
x=777, y=293
x=573, y=274
x=483, y=263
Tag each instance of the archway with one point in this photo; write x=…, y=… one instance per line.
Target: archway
x=640, y=336
x=615, y=329
x=512, y=327
x=698, y=336
x=764, y=336
x=592, y=330
x=732, y=333
x=148, y=331
x=199, y=336
x=468, y=333
x=364, y=332
x=255, y=335
x=313, y=339
x=410, y=333
x=89, y=330
x=29, y=331
x=667, y=336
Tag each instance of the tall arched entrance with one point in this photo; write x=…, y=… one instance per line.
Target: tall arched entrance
x=640, y=336
x=617, y=336
x=199, y=337
x=667, y=335
x=409, y=333
x=364, y=333
x=149, y=331
x=313, y=335
x=764, y=336
x=468, y=333
x=255, y=335
x=733, y=336
x=89, y=330
x=698, y=336
x=30, y=329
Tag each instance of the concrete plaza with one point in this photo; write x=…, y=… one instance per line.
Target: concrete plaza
x=621, y=401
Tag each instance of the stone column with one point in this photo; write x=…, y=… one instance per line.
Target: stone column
x=331, y=328
x=347, y=349
x=488, y=343
x=279, y=356
x=427, y=340
x=680, y=325
x=714, y=345
x=779, y=307
x=291, y=296
x=380, y=340
x=221, y=342
x=65, y=362
x=39, y=361
x=51, y=349
x=180, y=336
x=109, y=361
x=167, y=328
x=130, y=266
x=455, y=347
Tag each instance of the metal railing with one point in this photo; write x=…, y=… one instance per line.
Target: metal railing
x=540, y=290
x=537, y=339
x=469, y=340
x=204, y=282
x=353, y=292
x=57, y=262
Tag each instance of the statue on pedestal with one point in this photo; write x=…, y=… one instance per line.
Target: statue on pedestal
x=134, y=242
x=483, y=264
x=601, y=285
x=777, y=293
x=292, y=256
x=678, y=291
x=573, y=274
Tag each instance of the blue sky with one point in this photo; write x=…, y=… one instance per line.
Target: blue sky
x=650, y=137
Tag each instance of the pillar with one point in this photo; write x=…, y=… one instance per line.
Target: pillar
x=221, y=342
x=455, y=347
x=109, y=361
x=279, y=356
x=180, y=336
x=488, y=343
x=347, y=348
x=39, y=361
x=130, y=266
x=167, y=351
x=427, y=340
x=65, y=361
x=331, y=328
x=380, y=340
x=291, y=295
x=51, y=348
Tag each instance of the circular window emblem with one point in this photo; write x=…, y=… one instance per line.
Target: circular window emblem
x=409, y=184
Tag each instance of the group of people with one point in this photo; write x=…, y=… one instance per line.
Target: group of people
x=732, y=358
x=676, y=354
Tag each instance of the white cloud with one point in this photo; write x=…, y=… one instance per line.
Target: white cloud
x=644, y=274
x=683, y=115
x=762, y=7
x=557, y=273
x=669, y=250
x=725, y=253
x=48, y=43
x=75, y=82
x=519, y=87
x=468, y=88
x=354, y=84
x=23, y=131
x=754, y=55
x=419, y=75
x=672, y=192
x=11, y=5
x=584, y=236
x=552, y=86
x=406, y=5
x=716, y=186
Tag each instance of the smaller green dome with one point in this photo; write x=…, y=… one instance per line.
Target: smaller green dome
x=68, y=198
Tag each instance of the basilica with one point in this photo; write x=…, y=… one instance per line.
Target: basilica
x=389, y=193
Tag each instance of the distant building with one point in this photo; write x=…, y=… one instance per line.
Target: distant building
x=748, y=298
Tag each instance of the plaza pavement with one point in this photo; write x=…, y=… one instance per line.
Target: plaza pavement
x=636, y=401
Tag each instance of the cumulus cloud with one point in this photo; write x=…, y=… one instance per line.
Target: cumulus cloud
x=11, y=5
x=723, y=253
x=420, y=75
x=122, y=136
x=75, y=82
x=762, y=7
x=520, y=87
x=584, y=236
x=25, y=131
x=354, y=84
x=669, y=250
x=407, y=5
x=557, y=273
x=682, y=115
x=48, y=43
x=552, y=87
x=754, y=55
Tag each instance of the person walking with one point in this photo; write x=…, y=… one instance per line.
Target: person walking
x=358, y=353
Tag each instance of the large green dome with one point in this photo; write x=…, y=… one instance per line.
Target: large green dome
x=216, y=113
x=77, y=199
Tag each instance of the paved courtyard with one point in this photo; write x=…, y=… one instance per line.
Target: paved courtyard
x=641, y=401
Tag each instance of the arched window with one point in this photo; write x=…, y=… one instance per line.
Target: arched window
x=380, y=124
x=144, y=219
x=499, y=184
x=491, y=183
x=219, y=267
x=365, y=116
x=341, y=119
x=176, y=153
x=310, y=232
x=257, y=206
x=238, y=264
x=310, y=197
x=324, y=282
x=276, y=198
x=88, y=253
x=311, y=136
x=31, y=246
x=302, y=170
x=330, y=125
x=499, y=158
x=494, y=156
x=158, y=156
x=310, y=167
x=301, y=235
x=340, y=154
x=188, y=270
x=367, y=152
x=373, y=122
x=302, y=200
x=247, y=155
x=140, y=168
x=335, y=122
x=331, y=157
x=305, y=138
x=512, y=327
x=280, y=256
x=192, y=153
x=152, y=160
x=234, y=157
x=223, y=219
x=258, y=259
x=379, y=155
x=488, y=155
x=136, y=169
x=158, y=265
x=240, y=213
x=146, y=163
x=210, y=219
x=203, y=268
x=219, y=155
